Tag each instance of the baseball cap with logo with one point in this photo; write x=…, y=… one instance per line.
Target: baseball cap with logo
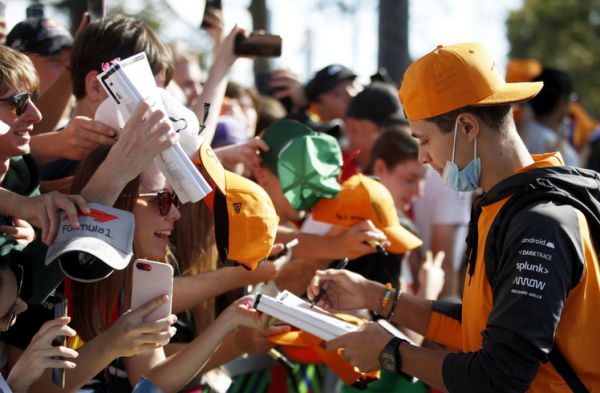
x=245, y=218
x=326, y=79
x=363, y=198
x=41, y=36
x=103, y=242
x=307, y=163
x=378, y=103
x=455, y=76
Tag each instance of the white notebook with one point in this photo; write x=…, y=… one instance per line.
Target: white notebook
x=297, y=312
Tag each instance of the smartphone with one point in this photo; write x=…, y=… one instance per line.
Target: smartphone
x=210, y=4
x=3, y=8
x=151, y=279
x=96, y=9
x=258, y=44
x=60, y=310
x=35, y=11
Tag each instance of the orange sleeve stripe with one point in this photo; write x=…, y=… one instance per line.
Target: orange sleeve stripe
x=445, y=330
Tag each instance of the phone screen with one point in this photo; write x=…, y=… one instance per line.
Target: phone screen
x=60, y=310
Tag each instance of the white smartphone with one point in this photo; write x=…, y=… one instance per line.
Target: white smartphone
x=151, y=279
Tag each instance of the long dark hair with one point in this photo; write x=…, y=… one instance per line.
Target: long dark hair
x=94, y=303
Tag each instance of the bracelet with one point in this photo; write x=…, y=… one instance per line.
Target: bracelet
x=394, y=303
x=384, y=299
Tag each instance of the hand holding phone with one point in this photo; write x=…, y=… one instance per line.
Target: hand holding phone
x=152, y=279
x=257, y=44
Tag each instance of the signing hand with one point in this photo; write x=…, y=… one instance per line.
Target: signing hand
x=350, y=242
x=347, y=291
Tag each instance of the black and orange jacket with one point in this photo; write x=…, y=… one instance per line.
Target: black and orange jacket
x=546, y=292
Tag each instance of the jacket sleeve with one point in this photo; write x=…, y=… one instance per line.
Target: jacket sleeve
x=445, y=325
x=541, y=260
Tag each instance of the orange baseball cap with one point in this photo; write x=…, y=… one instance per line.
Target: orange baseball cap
x=245, y=218
x=455, y=76
x=363, y=198
x=522, y=70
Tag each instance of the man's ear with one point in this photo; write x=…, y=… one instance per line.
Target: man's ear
x=379, y=167
x=470, y=125
x=93, y=89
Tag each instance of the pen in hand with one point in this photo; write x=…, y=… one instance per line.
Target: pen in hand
x=341, y=264
x=376, y=246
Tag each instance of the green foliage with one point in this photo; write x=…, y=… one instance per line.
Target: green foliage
x=563, y=34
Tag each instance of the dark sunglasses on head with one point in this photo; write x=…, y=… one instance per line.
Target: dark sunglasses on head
x=165, y=199
x=12, y=313
x=19, y=101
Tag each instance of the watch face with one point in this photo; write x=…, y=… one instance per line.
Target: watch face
x=388, y=362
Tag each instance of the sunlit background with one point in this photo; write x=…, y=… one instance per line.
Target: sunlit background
x=320, y=32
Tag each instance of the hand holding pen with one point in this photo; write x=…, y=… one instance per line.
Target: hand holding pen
x=344, y=290
x=340, y=265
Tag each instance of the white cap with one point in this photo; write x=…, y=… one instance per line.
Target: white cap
x=103, y=242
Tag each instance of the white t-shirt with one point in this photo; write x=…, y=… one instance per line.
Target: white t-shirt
x=440, y=205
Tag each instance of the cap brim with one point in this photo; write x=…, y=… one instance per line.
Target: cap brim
x=511, y=93
x=401, y=239
x=105, y=258
x=212, y=166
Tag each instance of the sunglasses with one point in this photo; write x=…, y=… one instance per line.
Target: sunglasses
x=11, y=315
x=165, y=200
x=19, y=102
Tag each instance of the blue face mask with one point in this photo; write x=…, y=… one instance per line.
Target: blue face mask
x=466, y=179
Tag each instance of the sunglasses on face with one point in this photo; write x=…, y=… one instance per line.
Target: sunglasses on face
x=11, y=315
x=165, y=200
x=19, y=102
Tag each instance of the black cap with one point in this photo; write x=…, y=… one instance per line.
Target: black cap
x=326, y=79
x=378, y=103
x=41, y=36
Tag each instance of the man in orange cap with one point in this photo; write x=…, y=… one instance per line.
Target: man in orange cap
x=531, y=295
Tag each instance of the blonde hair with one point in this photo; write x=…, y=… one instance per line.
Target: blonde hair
x=16, y=71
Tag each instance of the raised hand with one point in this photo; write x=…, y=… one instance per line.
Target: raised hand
x=82, y=135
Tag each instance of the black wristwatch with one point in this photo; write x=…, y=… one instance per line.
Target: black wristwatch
x=390, y=358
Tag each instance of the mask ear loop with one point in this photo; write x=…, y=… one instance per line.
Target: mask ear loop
x=454, y=143
x=475, y=149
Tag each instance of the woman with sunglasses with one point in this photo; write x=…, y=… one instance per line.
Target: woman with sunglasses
x=38, y=355
x=96, y=306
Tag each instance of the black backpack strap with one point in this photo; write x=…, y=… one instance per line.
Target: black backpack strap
x=566, y=371
x=539, y=192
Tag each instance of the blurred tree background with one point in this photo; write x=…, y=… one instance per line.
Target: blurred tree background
x=563, y=34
